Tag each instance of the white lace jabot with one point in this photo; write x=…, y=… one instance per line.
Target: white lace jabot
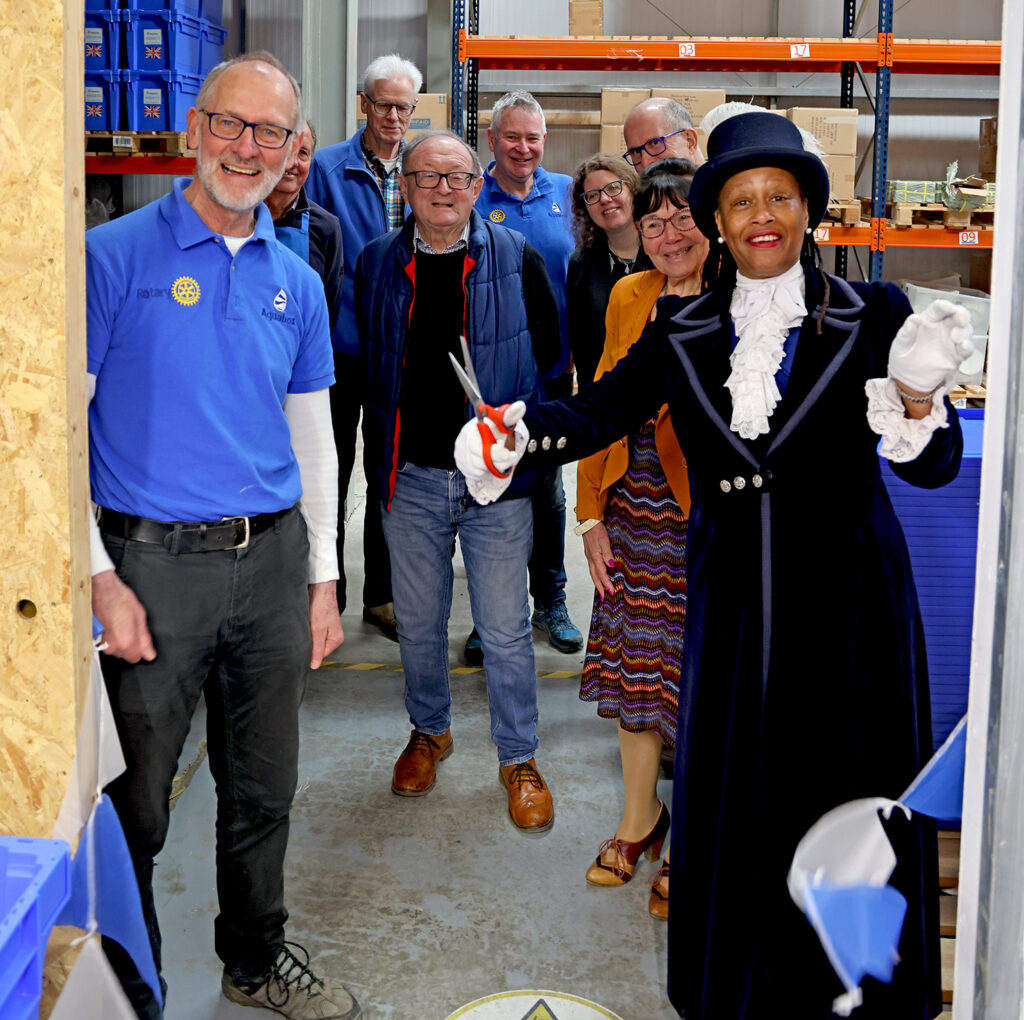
x=763, y=311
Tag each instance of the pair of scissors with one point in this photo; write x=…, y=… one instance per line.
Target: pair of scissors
x=467, y=376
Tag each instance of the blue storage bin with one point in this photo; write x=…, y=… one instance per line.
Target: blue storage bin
x=212, y=10
x=102, y=40
x=211, y=50
x=102, y=100
x=162, y=41
x=159, y=100
x=941, y=527
x=102, y=5
x=35, y=883
x=190, y=7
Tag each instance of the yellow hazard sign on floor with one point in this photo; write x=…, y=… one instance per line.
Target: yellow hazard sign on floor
x=530, y=1004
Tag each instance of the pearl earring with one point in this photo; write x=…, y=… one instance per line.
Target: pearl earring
x=721, y=240
x=809, y=230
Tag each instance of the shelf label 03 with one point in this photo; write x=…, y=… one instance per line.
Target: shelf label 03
x=800, y=50
x=687, y=49
x=968, y=237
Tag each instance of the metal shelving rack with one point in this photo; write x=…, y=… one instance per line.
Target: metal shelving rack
x=884, y=54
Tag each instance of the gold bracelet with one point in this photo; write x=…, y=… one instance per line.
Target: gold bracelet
x=584, y=526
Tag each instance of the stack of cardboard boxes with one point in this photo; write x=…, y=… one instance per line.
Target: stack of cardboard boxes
x=586, y=17
x=616, y=104
x=836, y=131
x=987, y=148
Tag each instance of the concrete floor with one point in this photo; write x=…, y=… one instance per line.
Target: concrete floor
x=423, y=905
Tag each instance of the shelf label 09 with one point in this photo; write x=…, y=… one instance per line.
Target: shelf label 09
x=687, y=49
x=821, y=234
x=800, y=50
x=968, y=237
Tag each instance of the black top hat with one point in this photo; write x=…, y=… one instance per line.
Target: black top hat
x=749, y=140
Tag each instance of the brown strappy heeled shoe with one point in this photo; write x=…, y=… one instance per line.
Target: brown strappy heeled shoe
x=627, y=854
x=657, y=905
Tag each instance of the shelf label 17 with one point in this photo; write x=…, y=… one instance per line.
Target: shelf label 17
x=800, y=50
x=968, y=237
x=821, y=234
x=687, y=49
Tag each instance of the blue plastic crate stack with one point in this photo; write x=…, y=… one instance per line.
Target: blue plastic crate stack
x=145, y=61
x=35, y=883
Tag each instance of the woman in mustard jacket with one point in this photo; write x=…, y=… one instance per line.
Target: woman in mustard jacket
x=633, y=499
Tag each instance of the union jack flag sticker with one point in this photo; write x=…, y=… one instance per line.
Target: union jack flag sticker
x=154, y=53
x=94, y=50
x=152, y=111
x=94, y=111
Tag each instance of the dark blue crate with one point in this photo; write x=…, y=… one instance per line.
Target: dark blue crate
x=102, y=40
x=941, y=528
x=103, y=100
x=159, y=100
x=35, y=883
x=193, y=8
x=211, y=50
x=102, y=5
x=212, y=10
x=162, y=41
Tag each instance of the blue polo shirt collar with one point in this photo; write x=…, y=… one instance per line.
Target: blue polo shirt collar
x=187, y=227
x=541, y=184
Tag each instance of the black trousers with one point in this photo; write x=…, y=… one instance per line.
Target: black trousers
x=346, y=396
x=234, y=626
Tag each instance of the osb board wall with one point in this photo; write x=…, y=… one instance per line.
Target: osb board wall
x=44, y=589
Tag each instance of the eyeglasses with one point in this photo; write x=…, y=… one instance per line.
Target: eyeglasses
x=266, y=136
x=611, y=189
x=653, y=147
x=654, y=226
x=402, y=109
x=458, y=180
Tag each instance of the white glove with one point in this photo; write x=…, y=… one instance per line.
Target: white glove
x=930, y=347
x=484, y=486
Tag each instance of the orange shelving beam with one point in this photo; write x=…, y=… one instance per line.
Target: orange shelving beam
x=724, y=53
x=905, y=237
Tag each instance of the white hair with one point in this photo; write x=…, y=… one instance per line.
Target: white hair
x=715, y=117
x=391, y=66
x=517, y=99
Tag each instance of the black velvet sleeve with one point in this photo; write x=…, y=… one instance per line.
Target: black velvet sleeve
x=541, y=310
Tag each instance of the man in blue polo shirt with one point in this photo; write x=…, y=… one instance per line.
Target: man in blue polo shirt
x=519, y=193
x=209, y=364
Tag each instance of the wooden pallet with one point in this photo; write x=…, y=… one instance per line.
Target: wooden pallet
x=935, y=214
x=134, y=143
x=847, y=213
x=949, y=858
x=968, y=392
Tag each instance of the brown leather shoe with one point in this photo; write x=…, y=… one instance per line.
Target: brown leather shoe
x=416, y=769
x=383, y=617
x=657, y=905
x=529, y=800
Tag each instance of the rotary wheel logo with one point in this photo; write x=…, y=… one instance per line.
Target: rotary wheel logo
x=497, y=215
x=185, y=291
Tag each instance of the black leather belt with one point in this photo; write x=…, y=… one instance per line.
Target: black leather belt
x=193, y=536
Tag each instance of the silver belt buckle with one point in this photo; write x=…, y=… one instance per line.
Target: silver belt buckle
x=244, y=544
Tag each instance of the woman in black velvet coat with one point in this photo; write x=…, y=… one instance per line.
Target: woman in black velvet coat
x=804, y=677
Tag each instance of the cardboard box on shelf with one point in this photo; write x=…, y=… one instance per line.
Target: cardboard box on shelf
x=835, y=128
x=842, y=172
x=988, y=128
x=698, y=102
x=586, y=17
x=431, y=112
x=611, y=139
x=616, y=103
x=986, y=160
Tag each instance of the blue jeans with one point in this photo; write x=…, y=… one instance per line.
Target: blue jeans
x=429, y=508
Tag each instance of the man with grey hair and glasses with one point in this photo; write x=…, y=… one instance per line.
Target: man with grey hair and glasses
x=358, y=181
x=447, y=274
x=660, y=128
x=209, y=363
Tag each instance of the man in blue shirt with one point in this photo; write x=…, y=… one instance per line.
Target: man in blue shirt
x=519, y=193
x=209, y=364
x=358, y=181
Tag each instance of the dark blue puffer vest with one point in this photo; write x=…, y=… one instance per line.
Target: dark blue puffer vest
x=495, y=324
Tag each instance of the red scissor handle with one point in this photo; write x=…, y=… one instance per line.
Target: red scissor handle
x=494, y=414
